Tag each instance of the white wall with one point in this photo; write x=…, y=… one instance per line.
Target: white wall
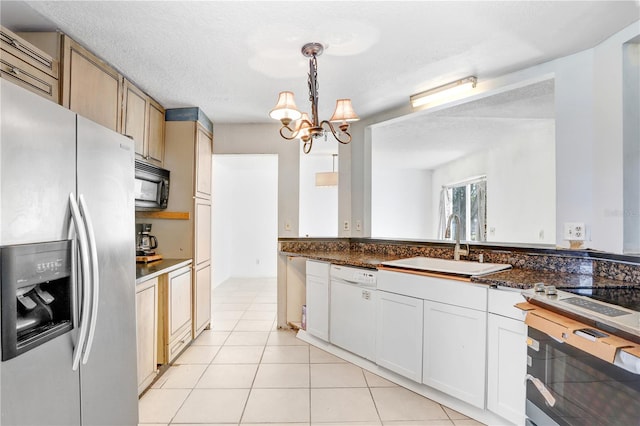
x=401, y=204
x=318, y=204
x=589, y=117
x=631, y=212
x=265, y=139
x=245, y=216
x=520, y=172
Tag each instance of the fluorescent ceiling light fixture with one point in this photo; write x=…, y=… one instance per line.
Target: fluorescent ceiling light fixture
x=444, y=91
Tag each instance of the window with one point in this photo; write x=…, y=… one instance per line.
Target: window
x=467, y=200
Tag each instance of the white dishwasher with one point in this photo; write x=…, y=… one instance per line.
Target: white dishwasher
x=353, y=310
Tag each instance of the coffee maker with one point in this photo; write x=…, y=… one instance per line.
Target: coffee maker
x=145, y=243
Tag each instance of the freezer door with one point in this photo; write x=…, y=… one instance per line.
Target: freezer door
x=105, y=180
x=37, y=173
x=37, y=167
x=39, y=387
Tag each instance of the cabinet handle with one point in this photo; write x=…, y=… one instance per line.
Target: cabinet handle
x=15, y=43
x=15, y=71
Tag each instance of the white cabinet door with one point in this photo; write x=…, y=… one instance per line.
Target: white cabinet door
x=318, y=299
x=507, y=367
x=399, y=337
x=454, y=351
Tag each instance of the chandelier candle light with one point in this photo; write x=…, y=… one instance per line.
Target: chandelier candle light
x=307, y=129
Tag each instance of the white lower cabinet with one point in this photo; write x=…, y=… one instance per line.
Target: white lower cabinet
x=507, y=357
x=317, y=289
x=399, y=337
x=454, y=351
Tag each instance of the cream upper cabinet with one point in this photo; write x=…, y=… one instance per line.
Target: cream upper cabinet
x=203, y=163
x=90, y=87
x=155, y=133
x=134, y=113
x=25, y=65
x=143, y=121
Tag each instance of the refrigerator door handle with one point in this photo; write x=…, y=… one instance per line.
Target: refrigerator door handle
x=86, y=293
x=95, y=276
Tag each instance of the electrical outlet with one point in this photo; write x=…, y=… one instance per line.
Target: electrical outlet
x=574, y=231
x=345, y=226
x=358, y=225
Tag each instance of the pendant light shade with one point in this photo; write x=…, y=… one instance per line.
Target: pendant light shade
x=328, y=178
x=344, y=112
x=285, y=109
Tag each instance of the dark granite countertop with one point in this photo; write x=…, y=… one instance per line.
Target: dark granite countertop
x=513, y=278
x=526, y=278
x=147, y=271
x=345, y=257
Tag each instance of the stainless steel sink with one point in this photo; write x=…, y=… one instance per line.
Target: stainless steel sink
x=458, y=267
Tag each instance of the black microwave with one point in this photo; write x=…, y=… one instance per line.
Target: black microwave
x=151, y=187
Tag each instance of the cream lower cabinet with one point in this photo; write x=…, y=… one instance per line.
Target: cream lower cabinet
x=175, y=302
x=146, y=332
x=202, y=299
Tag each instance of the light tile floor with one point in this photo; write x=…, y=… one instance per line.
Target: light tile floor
x=245, y=371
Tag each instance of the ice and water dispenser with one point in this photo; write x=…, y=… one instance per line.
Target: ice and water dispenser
x=36, y=294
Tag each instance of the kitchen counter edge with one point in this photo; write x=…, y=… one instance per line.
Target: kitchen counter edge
x=148, y=271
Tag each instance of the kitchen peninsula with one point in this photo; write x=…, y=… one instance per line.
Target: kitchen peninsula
x=457, y=340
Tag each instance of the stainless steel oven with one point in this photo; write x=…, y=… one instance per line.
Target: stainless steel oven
x=568, y=386
x=578, y=371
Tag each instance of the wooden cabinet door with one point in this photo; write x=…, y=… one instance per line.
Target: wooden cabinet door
x=135, y=113
x=202, y=232
x=155, y=133
x=204, y=149
x=146, y=327
x=454, y=351
x=179, y=313
x=202, y=299
x=399, y=337
x=90, y=87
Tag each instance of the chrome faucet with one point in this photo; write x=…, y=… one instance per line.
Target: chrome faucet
x=457, y=251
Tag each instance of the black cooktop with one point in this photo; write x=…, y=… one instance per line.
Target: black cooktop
x=625, y=296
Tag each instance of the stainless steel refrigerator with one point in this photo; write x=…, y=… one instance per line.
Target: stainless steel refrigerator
x=67, y=182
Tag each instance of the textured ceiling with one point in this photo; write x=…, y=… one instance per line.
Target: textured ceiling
x=231, y=58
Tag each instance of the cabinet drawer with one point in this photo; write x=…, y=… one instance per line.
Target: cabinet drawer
x=442, y=290
x=502, y=302
x=23, y=74
x=28, y=53
x=177, y=345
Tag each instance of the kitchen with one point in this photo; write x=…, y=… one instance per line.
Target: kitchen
x=353, y=203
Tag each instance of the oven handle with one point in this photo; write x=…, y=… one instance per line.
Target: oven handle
x=86, y=294
x=549, y=399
